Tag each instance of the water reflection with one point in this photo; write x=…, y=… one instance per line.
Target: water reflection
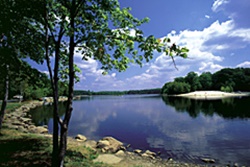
x=226, y=107
x=184, y=129
x=42, y=115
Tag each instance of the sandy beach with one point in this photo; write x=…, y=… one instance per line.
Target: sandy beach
x=211, y=95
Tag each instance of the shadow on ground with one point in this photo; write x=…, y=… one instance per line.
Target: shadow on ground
x=26, y=151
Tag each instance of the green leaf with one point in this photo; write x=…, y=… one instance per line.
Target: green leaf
x=166, y=52
x=158, y=49
x=184, y=55
x=104, y=73
x=184, y=50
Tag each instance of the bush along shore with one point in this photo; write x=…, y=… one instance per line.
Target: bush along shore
x=81, y=151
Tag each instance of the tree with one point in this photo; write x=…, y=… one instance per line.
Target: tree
x=179, y=79
x=99, y=30
x=171, y=88
x=17, y=40
x=193, y=80
x=206, y=80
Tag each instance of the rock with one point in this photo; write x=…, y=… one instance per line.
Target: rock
x=103, y=150
x=15, y=114
x=81, y=138
x=108, y=159
x=90, y=144
x=22, y=129
x=130, y=153
x=18, y=123
x=45, y=126
x=25, y=108
x=12, y=126
x=34, y=105
x=123, y=148
x=40, y=130
x=120, y=153
x=207, y=160
x=170, y=159
x=236, y=165
x=109, y=144
x=26, y=126
x=147, y=155
x=137, y=151
x=25, y=120
x=150, y=153
x=31, y=127
x=102, y=144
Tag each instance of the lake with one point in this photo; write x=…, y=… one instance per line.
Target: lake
x=183, y=129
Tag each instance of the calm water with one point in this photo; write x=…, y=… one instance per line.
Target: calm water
x=181, y=128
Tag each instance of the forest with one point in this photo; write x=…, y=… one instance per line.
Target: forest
x=30, y=83
x=227, y=80
x=33, y=84
x=129, y=92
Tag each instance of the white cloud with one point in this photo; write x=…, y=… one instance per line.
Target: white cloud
x=202, y=55
x=237, y=10
x=242, y=33
x=130, y=32
x=207, y=16
x=210, y=66
x=206, y=47
x=45, y=72
x=217, y=4
x=245, y=64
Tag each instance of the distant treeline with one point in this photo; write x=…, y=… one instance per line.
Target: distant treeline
x=130, y=92
x=227, y=80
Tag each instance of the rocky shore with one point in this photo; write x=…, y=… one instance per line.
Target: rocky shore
x=111, y=151
x=21, y=120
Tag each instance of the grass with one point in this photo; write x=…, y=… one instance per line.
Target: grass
x=12, y=106
x=23, y=149
x=18, y=149
x=27, y=149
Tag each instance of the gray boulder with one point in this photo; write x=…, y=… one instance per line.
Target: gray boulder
x=109, y=144
x=80, y=137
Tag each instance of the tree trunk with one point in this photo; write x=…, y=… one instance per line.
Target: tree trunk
x=55, y=151
x=63, y=144
x=69, y=108
x=54, y=85
x=55, y=135
x=5, y=98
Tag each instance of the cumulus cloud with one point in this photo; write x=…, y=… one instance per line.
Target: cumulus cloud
x=245, y=64
x=208, y=50
x=217, y=4
x=204, y=47
x=237, y=10
x=210, y=66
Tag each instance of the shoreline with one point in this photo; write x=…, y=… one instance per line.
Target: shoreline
x=20, y=120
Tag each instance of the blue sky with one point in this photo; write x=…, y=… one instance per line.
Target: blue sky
x=217, y=32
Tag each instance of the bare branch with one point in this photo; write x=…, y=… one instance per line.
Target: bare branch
x=174, y=63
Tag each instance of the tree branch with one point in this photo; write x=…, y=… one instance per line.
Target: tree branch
x=174, y=63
